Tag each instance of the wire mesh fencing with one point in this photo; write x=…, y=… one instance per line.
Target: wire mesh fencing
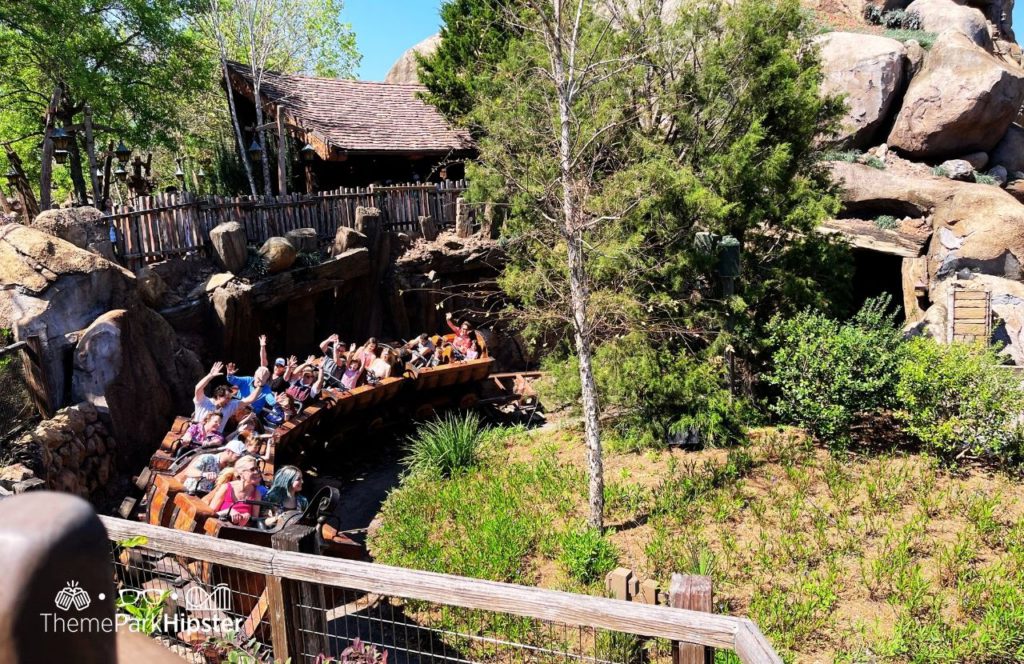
x=17, y=410
x=204, y=612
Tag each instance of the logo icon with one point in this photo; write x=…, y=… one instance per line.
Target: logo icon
x=198, y=598
x=72, y=595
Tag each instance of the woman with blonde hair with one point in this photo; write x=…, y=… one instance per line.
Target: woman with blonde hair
x=229, y=498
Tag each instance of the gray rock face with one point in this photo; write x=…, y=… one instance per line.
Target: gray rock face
x=83, y=227
x=977, y=160
x=229, y=246
x=962, y=101
x=405, y=69
x=151, y=286
x=279, y=253
x=941, y=15
x=958, y=169
x=868, y=71
x=303, y=239
x=1010, y=151
x=999, y=173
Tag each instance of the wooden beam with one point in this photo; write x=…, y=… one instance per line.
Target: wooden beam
x=90, y=151
x=694, y=593
x=556, y=606
x=282, y=154
x=864, y=234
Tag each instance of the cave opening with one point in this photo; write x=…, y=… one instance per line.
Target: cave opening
x=875, y=273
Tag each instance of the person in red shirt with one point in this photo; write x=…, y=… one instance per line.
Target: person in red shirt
x=464, y=336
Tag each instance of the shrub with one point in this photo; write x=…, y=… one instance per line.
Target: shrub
x=873, y=14
x=912, y=21
x=894, y=19
x=984, y=178
x=886, y=222
x=940, y=172
x=849, y=156
x=925, y=39
x=875, y=162
x=957, y=400
x=587, y=555
x=446, y=445
x=826, y=371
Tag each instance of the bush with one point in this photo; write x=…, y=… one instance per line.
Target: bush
x=445, y=446
x=873, y=14
x=886, y=222
x=826, y=372
x=984, y=178
x=957, y=400
x=925, y=39
x=651, y=393
x=849, y=156
x=875, y=162
x=587, y=555
x=940, y=172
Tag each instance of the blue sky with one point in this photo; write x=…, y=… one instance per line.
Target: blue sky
x=387, y=28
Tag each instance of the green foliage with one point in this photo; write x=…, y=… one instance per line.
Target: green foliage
x=652, y=392
x=893, y=19
x=958, y=400
x=445, y=446
x=886, y=222
x=474, y=39
x=922, y=37
x=940, y=171
x=984, y=178
x=826, y=372
x=848, y=156
x=145, y=612
x=875, y=162
x=308, y=259
x=587, y=555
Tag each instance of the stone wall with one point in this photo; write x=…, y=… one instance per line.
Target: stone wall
x=72, y=452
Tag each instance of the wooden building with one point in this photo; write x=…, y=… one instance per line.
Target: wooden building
x=363, y=132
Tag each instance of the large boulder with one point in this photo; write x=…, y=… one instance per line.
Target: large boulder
x=279, y=254
x=963, y=100
x=230, y=246
x=84, y=227
x=347, y=238
x=52, y=289
x=152, y=287
x=1009, y=153
x=406, y=69
x=941, y=15
x=304, y=240
x=868, y=71
x=130, y=364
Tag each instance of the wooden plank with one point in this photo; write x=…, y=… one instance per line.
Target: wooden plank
x=976, y=329
x=642, y=619
x=694, y=593
x=965, y=295
x=752, y=647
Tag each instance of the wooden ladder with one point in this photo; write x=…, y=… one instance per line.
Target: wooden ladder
x=971, y=318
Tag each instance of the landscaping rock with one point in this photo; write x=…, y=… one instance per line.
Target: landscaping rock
x=230, y=248
x=152, y=287
x=868, y=70
x=1010, y=150
x=83, y=227
x=999, y=173
x=962, y=101
x=279, y=254
x=15, y=473
x=958, y=169
x=304, y=240
x=940, y=15
x=347, y=238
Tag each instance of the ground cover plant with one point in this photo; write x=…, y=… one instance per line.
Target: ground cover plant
x=837, y=555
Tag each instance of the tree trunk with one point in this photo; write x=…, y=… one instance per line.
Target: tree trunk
x=46, y=166
x=242, y=152
x=282, y=154
x=75, y=167
x=579, y=296
x=262, y=133
x=90, y=151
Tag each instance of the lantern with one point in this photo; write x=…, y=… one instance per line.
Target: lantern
x=180, y=174
x=307, y=153
x=123, y=152
x=60, y=156
x=729, y=257
x=255, y=150
x=121, y=174
x=61, y=139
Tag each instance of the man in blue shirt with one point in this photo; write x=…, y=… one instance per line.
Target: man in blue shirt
x=259, y=382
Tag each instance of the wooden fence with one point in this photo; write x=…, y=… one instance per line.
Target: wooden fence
x=154, y=228
x=391, y=589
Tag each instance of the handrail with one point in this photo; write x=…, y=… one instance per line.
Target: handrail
x=717, y=631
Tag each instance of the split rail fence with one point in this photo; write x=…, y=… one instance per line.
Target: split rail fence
x=154, y=228
x=320, y=605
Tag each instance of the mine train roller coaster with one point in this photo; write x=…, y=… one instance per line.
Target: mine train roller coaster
x=416, y=393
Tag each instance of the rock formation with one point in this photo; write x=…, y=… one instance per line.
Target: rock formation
x=962, y=100
x=868, y=71
x=279, y=254
x=230, y=247
x=83, y=227
x=940, y=15
x=405, y=68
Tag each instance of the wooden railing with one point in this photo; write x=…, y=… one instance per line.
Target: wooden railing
x=677, y=625
x=153, y=228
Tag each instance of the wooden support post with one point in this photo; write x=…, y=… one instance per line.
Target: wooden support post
x=491, y=228
x=463, y=224
x=90, y=151
x=46, y=167
x=35, y=377
x=428, y=229
x=108, y=162
x=22, y=188
x=693, y=593
x=4, y=205
x=293, y=629
x=282, y=155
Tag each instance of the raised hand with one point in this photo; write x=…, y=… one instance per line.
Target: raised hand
x=232, y=369
x=217, y=369
x=263, y=340
x=293, y=361
x=311, y=359
x=447, y=315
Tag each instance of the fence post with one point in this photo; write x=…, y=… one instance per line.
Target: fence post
x=694, y=593
x=294, y=629
x=463, y=223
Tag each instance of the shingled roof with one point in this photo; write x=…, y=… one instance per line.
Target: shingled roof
x=355, y=116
